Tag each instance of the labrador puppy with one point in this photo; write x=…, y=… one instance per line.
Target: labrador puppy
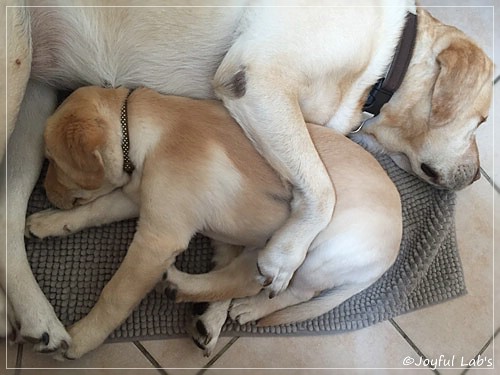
x=274, y=68
x=185, y=167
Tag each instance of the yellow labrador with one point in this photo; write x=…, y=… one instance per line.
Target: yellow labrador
x=195, y=171
x=275, y=68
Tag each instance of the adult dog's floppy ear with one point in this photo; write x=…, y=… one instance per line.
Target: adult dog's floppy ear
x=459, y=69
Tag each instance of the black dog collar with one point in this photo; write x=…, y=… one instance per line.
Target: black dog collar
x=385, y=87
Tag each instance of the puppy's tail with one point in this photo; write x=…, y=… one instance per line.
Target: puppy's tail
x=310, y=309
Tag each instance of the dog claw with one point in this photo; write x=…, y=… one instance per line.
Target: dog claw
x=45, y=338
x=199, y=345
x=267, y=281
x=171, y=293
x=46, y=351
x=200, y=308
x=64, y=345
x=67, y=357
x=202, y=330
x=208, y=339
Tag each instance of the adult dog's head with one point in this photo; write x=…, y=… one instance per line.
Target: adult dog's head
x=428, y=125
x=82, y=143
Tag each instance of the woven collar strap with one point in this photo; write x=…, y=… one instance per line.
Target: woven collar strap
x=385, y=87
x=128, y=166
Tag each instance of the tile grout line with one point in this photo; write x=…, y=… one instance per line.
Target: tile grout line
x=149, y=357
x=218, y=355
x=483, y=172
x=19, y=359
x=489, y=179
x=482, y=350
x=412, y=344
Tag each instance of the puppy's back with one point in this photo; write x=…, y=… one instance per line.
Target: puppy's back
x=357, y=176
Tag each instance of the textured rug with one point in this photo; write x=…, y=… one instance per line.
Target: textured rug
x=73, y=270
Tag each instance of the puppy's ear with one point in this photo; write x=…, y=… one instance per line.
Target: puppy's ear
x=462, y=66
x=84, y=140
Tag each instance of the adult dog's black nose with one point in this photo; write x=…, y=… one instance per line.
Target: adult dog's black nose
x=428, y=171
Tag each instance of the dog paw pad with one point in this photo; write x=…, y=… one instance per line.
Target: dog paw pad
x=171, y=292
x=200, y=308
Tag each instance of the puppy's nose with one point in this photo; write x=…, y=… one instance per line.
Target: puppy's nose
x=428, y=171
x=477, y=176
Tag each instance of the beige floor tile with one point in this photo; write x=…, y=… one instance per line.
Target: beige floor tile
x=473, y=17
x=379, y=346
x=497, y=267
x=497, y=39
x=180, y=353
x=488, y=357
x=8, y=354
x=495, y=114
x=117, y=355
x=52, y=371
x=487, y=138
x=289, y=371
x=461, y=327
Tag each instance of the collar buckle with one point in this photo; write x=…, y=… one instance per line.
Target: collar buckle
x=385, y=87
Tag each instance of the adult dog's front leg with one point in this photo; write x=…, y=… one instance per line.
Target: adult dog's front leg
x=147, y=258
x=33, y=313
x=109, y=208
x=271, y=117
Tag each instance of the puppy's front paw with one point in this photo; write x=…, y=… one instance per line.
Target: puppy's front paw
x=47, y=223
x=83, y=340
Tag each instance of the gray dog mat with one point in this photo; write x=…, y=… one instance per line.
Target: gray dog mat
x=73, y=270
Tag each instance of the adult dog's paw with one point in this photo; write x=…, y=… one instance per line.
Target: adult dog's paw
x=206, y=324
x=41, y=327
x=47, y=223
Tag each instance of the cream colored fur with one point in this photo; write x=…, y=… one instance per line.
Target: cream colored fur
x=201, y=174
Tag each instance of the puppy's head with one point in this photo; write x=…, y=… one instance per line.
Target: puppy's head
x=80, y=138
x=428, y=126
